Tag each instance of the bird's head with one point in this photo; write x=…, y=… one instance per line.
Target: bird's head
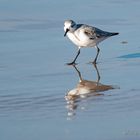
x=68, y=26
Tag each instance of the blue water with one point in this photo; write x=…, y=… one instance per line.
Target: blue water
x=133, y=55
x=34, y=78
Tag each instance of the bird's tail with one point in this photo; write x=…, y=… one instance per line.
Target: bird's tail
x=112, y=34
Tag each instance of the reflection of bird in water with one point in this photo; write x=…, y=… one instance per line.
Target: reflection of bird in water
x=87, y=88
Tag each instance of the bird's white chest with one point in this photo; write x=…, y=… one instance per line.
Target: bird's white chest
x=74, y=39
x=80, y=39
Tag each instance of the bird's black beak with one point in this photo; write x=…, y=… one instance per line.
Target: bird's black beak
x=66, y=32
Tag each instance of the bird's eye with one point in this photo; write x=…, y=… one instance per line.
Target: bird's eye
x=72, y=25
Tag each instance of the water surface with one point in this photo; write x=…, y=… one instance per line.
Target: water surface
x=34, y=78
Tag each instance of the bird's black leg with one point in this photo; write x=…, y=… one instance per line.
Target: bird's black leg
x=98, y=50
x=73, y=62
x=98, y=74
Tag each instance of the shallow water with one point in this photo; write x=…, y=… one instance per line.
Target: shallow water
x=34, y=78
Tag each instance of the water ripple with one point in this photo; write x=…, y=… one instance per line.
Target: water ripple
x=35, y=106
x=109, y=103
x=132, y=55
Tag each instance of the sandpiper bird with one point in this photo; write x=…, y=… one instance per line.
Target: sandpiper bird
x=83, y=36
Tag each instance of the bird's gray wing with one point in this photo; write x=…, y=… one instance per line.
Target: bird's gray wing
x=93, y=32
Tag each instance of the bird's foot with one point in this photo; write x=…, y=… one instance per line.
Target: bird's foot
x=92, y=62
x=72, y=63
